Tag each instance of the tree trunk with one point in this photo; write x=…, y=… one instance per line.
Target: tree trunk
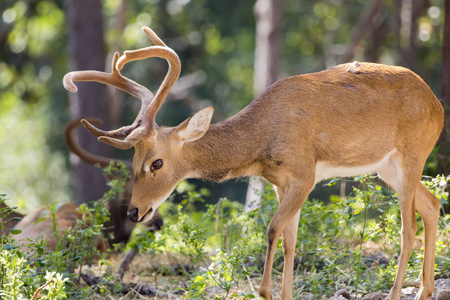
x=407, y=15
x=268, y=15
x=87, y=52
x=364, y=26
x=268, y=43
x=444, y=141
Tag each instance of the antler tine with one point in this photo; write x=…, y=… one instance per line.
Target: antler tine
x=161, y=51
x=144, y=124
x=134, y=137
x=117, y=80
x=153, y=36
x=114, y=79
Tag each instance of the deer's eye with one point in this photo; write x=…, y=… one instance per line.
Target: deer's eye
x=157, y=164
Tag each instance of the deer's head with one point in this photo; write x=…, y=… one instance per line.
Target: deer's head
x=158, y=164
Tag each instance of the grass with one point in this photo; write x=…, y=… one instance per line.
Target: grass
x=218, y=253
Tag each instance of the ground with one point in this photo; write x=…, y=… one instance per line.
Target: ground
x=161, y=276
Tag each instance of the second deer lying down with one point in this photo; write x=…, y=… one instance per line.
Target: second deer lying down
x=351, y=119
x=119, y=224
x=39, y=222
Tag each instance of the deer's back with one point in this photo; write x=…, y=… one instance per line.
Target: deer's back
x=346, y=114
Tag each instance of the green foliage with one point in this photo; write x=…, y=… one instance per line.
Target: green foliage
x=30, y=172
x=351, y=242
x=38, y=272
x=13, y=269
x=21, y=279
x=226, y=246
x=225, y=268
x=81, y=239
x=33, y=171
x=21, y=273
x=117, y=173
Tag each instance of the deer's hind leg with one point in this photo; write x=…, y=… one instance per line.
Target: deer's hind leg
x=428, y=207
x=404, y=181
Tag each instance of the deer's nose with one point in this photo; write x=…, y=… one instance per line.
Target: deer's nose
x=133, y=215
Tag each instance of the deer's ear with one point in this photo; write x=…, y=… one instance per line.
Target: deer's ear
x=196, y=126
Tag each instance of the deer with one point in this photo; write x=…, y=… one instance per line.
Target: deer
x=351, y=119
x=39, y=222
x=119, y=224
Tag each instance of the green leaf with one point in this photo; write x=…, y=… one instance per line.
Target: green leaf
x=40, y=220
x=348, y=210
x=9, y=247
x=332, y=182
x=15, y=231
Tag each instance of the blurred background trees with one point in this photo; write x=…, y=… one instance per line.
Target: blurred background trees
x=87, y=52
x=216, y=42
x=444, y=141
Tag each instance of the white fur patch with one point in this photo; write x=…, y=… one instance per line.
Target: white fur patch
x=325, y=170
x=146, y=168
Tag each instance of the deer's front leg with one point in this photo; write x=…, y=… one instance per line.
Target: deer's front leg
x=287, y=214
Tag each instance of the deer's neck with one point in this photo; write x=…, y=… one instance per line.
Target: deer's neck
x=227, y=150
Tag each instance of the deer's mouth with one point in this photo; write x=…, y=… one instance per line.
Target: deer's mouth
x=146, y=217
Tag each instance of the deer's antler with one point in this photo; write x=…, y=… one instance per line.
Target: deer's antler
x=144, y=125
x=75, y=147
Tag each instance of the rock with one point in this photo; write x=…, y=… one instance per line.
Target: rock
x=342, y=295
x=375, y=296
x=307, y=296
x=441, y=290
x=443, y=295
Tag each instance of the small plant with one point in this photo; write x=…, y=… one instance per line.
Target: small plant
x=226, y=245
x=117, y=174
x=225, y=269
x=38, y=273
x=14, y=271
x=80, y=241
x=23, y=280
x=5, y=213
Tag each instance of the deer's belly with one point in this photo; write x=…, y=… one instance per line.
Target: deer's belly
x=326, y=170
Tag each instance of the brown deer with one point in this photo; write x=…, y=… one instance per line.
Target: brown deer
x=119, y=224
x=348, y=120
x=39, y=222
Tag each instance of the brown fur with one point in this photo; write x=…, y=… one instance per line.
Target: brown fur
x=303, y=120
x=65, y=218
x=352, y=118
